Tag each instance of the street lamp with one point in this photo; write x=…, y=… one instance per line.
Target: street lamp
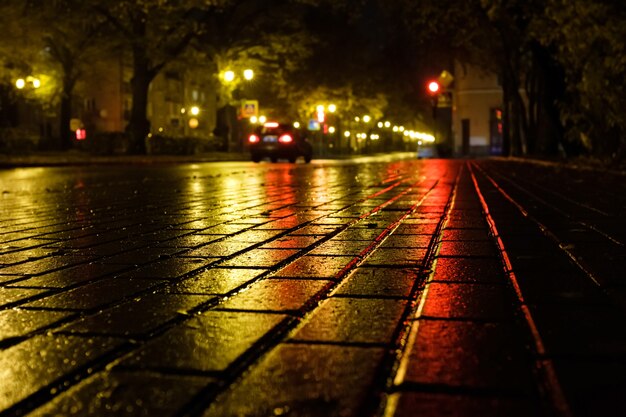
x=332, y=108
x=229, y=76
x=195, y=110
x=367, y=118
x=248, y=74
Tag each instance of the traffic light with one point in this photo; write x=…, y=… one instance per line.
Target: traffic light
x=433, y=87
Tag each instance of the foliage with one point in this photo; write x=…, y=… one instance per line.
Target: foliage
x=186, y=145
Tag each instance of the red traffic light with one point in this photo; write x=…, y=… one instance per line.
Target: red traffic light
x=433, y=87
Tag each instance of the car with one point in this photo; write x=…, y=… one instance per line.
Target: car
x=276, y=141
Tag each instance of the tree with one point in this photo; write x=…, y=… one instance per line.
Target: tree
x=155, y=32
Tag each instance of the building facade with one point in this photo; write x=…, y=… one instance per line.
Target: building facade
x=477, y=112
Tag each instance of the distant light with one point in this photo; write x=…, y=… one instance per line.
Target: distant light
x=406, y=133
x=270, y=124
x=36, y=82
x=20, y=83
x=387, y=124
x=161, y=129
x=193, y=123
x=332, y=108
x=253, y=139
x=229, y=76
x=380, y=124
x=183, y=110
x=262, y=119
x=195, y=110
x=331, y=129
x=254, y=119
x=401, y=128
x=357, y=119
x=320, y=108
x=285, y=139
x=346, y=133
x=248, y=74
x=366, y=118
x=81, y=134
x=419, y=142
x=296, y=125
x=433, y=87
x=395, y=128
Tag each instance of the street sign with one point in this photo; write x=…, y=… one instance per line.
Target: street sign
x=249, y=108
x=313, y=124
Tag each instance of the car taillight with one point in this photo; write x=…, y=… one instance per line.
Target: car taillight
x=253, y=139
x=285, y=139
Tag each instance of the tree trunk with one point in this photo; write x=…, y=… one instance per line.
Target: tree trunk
x=139, y=125
x=66, y=134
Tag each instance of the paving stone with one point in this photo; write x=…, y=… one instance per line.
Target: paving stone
x=473, y=270
x=139, y=316
x=261, y=258
x=305, y=381
x=15, y=295
x=315, y=230
x=340, y=247
x=387, y=282
x=38, y=362
x=466, y=248
x=125, y=394
x=277, y=295
x=170, y=269
x=210, y=342
x=189, y=241
x=140, y=256
x=71, y=276
x=292, y=242
x=470, y=355
x=43, y=265
x=218, y=249
x=469, y=301
x=465, y=234
x=353, y=320
x=407, y=241
x=315, y=267
x=256, y=236
x=215, y=281
x=416, y=229
x=411, y=404
x=24, y=256
x=396, y=257
x=225, y=229
x=18, y=323
x=95, y=295
x=354, y=233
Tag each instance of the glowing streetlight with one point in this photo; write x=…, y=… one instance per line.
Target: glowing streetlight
x=254, y=119
x=229, y=76
x=387, y=124
x=347, y=133
x=195, y=110
x=262, y=119
x=36, y=82
x=296, y=125
x=332, y=108
x=357, y=119
x=20, y=83
x=366, y=118
x=380, y=124
x=248, y=74
x=331, y=129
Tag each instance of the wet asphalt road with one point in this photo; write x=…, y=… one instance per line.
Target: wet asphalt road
x=368, y=287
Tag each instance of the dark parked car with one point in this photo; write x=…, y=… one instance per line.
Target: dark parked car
x=279, y=141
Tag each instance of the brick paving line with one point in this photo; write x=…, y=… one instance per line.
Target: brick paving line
x=204, y=399
x=545, y=367
x=389, y=406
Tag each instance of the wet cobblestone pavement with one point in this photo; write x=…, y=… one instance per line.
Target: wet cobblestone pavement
x=373, y=287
